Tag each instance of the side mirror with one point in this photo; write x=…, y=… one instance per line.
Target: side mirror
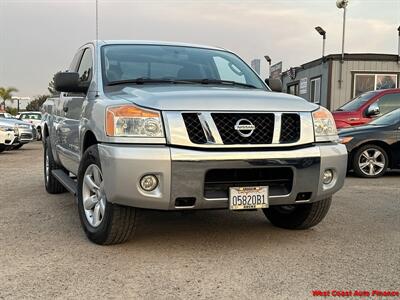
x=69, y=82
x=274, y=84
x=373, y=110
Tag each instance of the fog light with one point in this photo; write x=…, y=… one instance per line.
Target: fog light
x=148, y=182
x=328, y=176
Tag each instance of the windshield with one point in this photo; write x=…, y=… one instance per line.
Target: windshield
x=5, y=115
x=389, y=119
x=174, y=64
x=356, y=103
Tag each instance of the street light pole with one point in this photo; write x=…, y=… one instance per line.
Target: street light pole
x=323, y=33
x=344, y=31
x=268, y=59
x=398, y=50
x=342, y=4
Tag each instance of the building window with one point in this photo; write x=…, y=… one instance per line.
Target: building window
x=316, y=90
x=370, y=82
x=293, y=89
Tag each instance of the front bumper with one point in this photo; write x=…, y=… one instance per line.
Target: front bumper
x=7, y=138
x=182, y=173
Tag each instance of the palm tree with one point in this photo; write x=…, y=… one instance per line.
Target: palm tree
x=7, y=94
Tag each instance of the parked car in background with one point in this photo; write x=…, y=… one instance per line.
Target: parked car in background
x=375, y=147
x=367, y=107
x=6, y=115
x=33, y=117
x=26, y=132
x=8, y=134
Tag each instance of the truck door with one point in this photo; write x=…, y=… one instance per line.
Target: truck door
x=72, y=105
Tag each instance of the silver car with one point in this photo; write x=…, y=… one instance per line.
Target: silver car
x=173, y=126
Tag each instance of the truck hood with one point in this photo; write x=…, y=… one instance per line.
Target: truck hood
x=211, y=98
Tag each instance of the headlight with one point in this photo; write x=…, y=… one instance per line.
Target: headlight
x=133, y=121
x=324, y=125
x=5, y=128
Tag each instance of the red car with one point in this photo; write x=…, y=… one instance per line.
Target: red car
x=366, y=107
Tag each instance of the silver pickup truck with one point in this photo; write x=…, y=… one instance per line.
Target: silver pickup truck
x=181, y=127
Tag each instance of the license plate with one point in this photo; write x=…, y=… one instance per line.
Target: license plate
x=248, y=197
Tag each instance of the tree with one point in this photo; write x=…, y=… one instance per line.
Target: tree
x=52, y=89
x=7, y=94
x=37, y=103
x=11, y=110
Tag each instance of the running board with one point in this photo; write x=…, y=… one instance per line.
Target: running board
x=65, y=180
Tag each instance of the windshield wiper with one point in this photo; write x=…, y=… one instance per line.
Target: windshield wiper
x=219, y=81
x=142, y=80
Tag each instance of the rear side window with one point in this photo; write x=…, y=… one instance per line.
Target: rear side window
x=388, y=103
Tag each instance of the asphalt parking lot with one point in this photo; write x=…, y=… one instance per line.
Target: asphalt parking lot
x=209, y=254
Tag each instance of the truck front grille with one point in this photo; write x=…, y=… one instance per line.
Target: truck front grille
x=194, y=128
x=290, y=128
x=217, y=181
x=262, y=134
x=226, y=127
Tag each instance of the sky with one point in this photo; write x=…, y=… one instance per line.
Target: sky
x=40, y=37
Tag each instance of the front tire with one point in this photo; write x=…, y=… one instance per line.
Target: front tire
x=370, y=161
x=104, y=223
x=298, y=216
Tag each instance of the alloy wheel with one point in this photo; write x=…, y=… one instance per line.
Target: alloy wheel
x=371, y=162
x=93, y=195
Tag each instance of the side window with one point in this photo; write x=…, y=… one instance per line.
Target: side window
x=228, y=71
x=388, y=102
x=86, y=66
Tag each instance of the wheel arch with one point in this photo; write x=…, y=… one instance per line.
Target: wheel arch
x=88, y=140
x=45, y=131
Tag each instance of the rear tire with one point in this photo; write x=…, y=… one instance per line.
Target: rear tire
x=298, y=216
x=104, y=223
x=38, y=134
x=2, y=148
x=53, y=186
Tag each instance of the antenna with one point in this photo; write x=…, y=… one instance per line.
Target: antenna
x=96, y=49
